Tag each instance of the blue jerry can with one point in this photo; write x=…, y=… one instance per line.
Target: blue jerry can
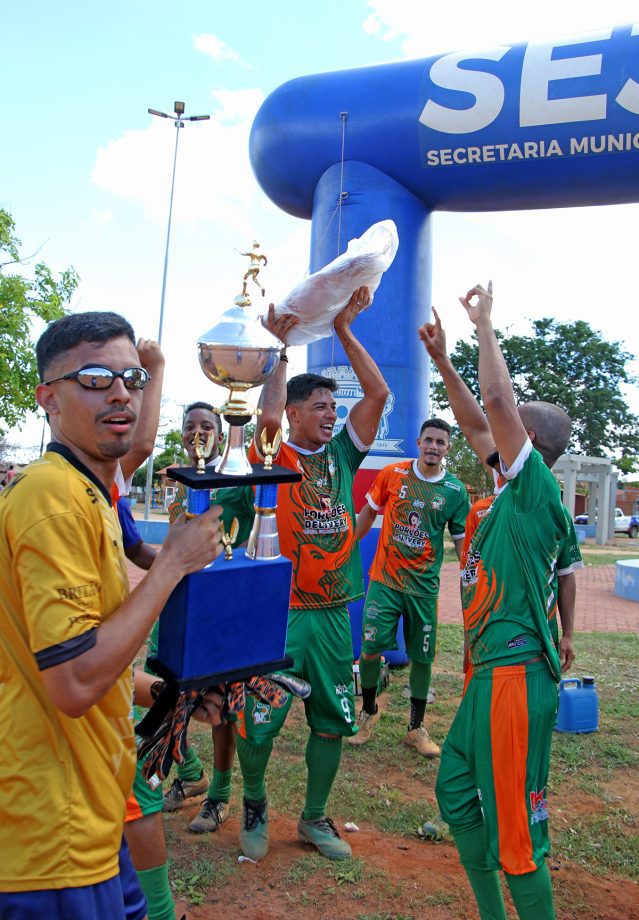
x=578, y=705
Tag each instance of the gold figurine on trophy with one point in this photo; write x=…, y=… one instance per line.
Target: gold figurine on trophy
x=204, y=450
x=229, y=538
x=257, y=260
x=270, y=450
x=239, y=353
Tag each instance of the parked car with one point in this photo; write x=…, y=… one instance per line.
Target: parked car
x=624, y=523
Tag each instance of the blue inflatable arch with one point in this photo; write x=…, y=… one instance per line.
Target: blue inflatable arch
x=535, y=125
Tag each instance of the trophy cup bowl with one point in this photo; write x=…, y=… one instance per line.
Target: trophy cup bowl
x=238, y=353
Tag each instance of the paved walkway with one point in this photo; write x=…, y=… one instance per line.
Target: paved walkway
x=598, y=609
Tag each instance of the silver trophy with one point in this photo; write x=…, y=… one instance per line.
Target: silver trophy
x=238, y=353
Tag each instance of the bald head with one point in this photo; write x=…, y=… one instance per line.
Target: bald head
x=549, y=426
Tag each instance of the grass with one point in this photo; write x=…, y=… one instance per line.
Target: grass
x=383, y=786
x=370, y=785
x=192, y=879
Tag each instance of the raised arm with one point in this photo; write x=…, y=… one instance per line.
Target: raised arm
x=365, y=414
x=272, y=401
x=467, y=411
x=152, y=360
x=494, y=378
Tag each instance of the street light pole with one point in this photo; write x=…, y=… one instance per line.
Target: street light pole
x=179, y=118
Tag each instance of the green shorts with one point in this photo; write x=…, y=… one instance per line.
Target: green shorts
x=144, y=799
x=495, y=761
x=384, y=606
x=320, y=644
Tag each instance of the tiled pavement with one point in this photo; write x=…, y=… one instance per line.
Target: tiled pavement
x=598, y=609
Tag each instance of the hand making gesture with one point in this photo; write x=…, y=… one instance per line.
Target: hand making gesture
x=482, y=308
x=434, y=338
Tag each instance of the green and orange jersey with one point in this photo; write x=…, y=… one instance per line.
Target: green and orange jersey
x=237, y=502
x=416, y=512
x=507, y=579
x=479, y=509
x=568, y=560
x=568, y=555
x=316, y=521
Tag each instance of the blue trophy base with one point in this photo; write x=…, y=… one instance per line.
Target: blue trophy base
x=226, y=622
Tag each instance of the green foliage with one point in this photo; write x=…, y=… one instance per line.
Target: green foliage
x=463, y=463
x=569, y=364
x=23, y=300
x=172, y=452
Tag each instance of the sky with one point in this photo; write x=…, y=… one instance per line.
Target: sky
x=85, y=170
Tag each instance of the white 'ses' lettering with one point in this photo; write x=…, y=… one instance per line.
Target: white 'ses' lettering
x=539, y=70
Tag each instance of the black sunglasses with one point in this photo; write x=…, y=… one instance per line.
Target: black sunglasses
x=96, y=377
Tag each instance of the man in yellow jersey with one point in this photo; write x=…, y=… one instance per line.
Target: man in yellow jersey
x=491, y=786
x=68, y=633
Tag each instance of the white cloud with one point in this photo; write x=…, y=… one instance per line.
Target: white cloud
x=102, y=218
x=216, y=48
x=424, y=29
x=214, y=180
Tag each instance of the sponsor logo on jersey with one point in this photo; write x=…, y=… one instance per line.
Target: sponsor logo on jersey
x=469, y=573
x=410, y=534
x=538, y=806
x=517, y=642
x=370, y=632
x=438, y=503
x=341, y=689
x=401, y=471
x=419, y=504
x=78, y=592
x=452, y=485
x=327, y=519
x=261, y=713
x=483, y=512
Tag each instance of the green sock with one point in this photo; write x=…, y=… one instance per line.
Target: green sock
x=157, y=891
x=192, y=769
x=322, y=762
x=471, y=844
x=369, y=672
x=253, y=760
x=532, y=894
x=419, y=679
x=220, y=786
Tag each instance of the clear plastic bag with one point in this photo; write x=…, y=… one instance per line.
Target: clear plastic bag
x=319, y=298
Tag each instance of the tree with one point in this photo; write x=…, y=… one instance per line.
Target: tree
x=462, y=462
x=172, y=452
x=572, y=365
x=23, y=300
